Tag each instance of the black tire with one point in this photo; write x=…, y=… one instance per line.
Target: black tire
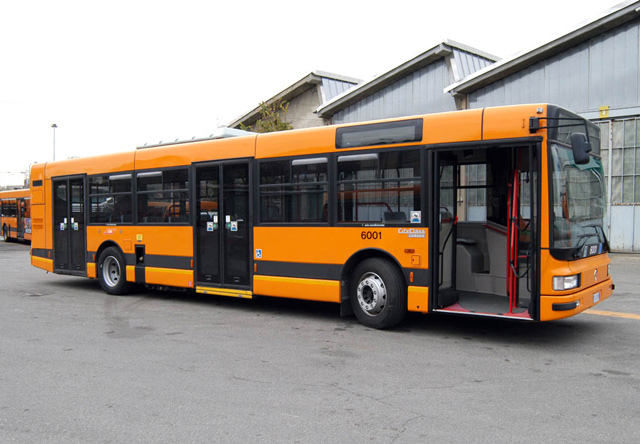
x=378, y=293
x=5, y=234
x=112, y=272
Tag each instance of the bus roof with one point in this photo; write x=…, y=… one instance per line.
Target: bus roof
x=473, y=125
x=220, y=133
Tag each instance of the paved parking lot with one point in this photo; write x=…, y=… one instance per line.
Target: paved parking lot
x=79, y=366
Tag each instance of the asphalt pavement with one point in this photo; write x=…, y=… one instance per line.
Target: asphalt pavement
x=80, y=366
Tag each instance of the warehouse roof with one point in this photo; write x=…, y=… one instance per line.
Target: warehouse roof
x=463, y=59
x=605, y=21
x=330, y=85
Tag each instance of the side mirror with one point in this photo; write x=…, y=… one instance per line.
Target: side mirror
x=581, y=148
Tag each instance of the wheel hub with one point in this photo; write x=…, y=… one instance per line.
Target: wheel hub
x=372, y=294
x=111, y=271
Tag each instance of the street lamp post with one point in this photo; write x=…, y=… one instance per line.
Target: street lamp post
x=54, y=126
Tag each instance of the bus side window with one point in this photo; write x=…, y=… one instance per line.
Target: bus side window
x=161, y=196
x=380, y=187
x=294, y=191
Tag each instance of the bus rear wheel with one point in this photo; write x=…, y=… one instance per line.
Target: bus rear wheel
x=112, y=272
x=378, y=294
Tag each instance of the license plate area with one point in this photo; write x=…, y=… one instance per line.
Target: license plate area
x=596, y=298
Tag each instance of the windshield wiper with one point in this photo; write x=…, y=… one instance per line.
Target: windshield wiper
x=583, y=240
x=599, y=230
x=584, y=237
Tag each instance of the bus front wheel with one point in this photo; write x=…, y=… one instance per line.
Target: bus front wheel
x=378, y=294
x=112, y=272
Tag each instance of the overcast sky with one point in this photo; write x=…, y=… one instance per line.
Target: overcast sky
x=117, y=74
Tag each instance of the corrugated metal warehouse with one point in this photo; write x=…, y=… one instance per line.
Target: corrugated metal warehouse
x=593, y=70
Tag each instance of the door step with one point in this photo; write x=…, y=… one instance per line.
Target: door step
x=457, y=308
x=230, y=292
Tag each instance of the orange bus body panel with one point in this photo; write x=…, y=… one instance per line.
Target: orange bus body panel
x=169, y=277
x=457, y=126
x=14, y=194
x=418, y=299
x=105, y=164
x=335, y=245
x=585, y=297
x=300, y=142
x=593, y=279
x=187, y=153
x=39, y=228
x=297, y=288
x=38, y=232
x=509, y=122
x=168, y=241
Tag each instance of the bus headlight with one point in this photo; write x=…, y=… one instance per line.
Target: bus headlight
x=561, y=283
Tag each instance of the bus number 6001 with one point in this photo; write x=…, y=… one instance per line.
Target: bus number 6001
x=368, y=235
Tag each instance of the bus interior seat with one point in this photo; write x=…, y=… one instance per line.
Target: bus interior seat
x=481, y=257
x=497, y=244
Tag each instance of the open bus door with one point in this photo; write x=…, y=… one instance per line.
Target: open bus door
x=485, y=230
x=446, y=214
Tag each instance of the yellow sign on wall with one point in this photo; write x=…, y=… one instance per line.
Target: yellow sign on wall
x=604, y=112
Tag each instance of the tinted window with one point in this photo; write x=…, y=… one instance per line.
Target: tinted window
x=110, y=199
x=294, y=191
x=380, y=187
x=163, y=196
x=385, y=133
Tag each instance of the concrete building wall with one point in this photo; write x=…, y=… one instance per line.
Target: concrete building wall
x=301, y=109
x=304, y=97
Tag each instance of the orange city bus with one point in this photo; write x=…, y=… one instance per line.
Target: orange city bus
x=489, y=212
x=15, y=215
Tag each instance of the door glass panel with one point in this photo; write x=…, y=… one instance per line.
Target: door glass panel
x=447, y=218
x=60, y=226
x=76, y=225
x=236, y=224
x=208, y=226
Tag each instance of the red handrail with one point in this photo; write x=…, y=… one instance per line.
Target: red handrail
x=513, y=226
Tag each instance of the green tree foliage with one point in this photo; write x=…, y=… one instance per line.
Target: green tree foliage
x=271, y=118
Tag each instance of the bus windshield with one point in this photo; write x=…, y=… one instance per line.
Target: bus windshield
x=578, y=196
